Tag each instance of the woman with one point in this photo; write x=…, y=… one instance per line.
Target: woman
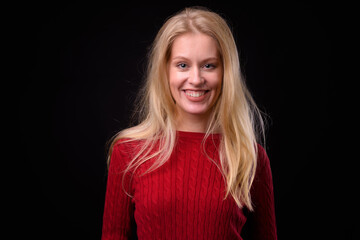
x=191, y=168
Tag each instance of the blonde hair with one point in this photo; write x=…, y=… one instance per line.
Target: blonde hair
x=235, y=112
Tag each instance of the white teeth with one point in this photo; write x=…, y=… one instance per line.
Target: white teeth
x=195, y=93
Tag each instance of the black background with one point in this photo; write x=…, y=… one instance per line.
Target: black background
x=83, y=64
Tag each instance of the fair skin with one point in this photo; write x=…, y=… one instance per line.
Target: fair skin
x=195, y=77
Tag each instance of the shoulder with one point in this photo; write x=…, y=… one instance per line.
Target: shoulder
x=122, y=146
x=126, y=147
x=262, y=157
x=263, y=163
x=121, y=154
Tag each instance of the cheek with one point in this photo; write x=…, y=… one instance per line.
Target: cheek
x=171, y=78
x=216, y=84
x=176, y=80
x=174, y=84
x=220, y=77
x=215, y=81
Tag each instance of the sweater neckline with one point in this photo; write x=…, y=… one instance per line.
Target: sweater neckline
x=197, y=135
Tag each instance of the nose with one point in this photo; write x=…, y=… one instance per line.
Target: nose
x=195, y=77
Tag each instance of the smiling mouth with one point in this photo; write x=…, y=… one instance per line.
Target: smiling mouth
x=197, y=93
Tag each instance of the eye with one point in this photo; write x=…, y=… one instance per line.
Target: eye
x=182, y=65
x=209, y=66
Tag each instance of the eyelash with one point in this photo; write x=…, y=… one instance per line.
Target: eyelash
x=179, y=65
x=210, y=66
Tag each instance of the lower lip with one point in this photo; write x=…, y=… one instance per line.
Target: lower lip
x=196, y=99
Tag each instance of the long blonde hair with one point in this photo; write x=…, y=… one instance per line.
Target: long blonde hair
x=235, y=113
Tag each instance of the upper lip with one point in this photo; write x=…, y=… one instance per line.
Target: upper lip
x=195, y=90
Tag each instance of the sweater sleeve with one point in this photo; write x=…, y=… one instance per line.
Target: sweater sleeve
x=262, y=221
x=118, y=209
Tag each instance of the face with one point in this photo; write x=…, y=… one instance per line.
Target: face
x=195, y=74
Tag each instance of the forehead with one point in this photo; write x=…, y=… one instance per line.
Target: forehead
x=194, y=46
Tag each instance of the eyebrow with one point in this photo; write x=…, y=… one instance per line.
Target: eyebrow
x=205, y=60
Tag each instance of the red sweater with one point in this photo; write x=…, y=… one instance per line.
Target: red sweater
x=184, y=198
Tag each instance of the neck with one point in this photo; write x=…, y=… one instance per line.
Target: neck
x=192, y=123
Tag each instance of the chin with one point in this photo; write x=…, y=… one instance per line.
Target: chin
x=197, y=111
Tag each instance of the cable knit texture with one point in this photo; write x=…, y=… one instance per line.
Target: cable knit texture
x=184, y=198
